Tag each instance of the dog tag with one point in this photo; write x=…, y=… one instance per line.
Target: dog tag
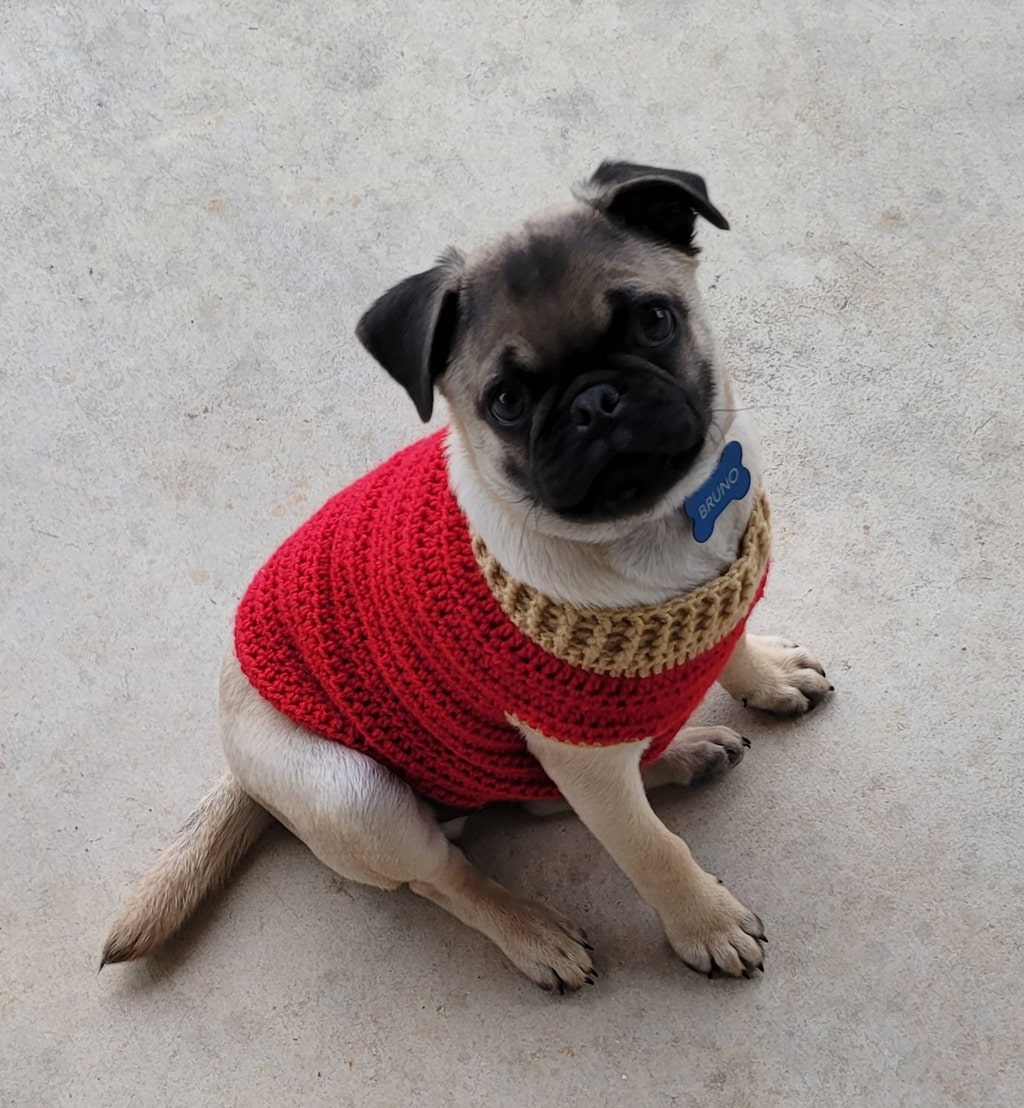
x=730, y=481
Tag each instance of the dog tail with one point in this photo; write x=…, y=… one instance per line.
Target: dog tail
x=206, y=850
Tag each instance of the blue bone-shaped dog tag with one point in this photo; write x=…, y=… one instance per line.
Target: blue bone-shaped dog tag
x=730, y=481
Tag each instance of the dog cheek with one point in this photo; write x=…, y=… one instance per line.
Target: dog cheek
x=516, y=473
x=704, y=386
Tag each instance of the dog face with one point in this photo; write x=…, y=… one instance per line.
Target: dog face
x=573, y=352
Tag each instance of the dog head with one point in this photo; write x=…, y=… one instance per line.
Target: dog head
x=573, y=352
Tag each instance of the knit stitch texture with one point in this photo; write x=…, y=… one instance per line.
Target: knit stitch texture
x=373, y=625
x=646, y=639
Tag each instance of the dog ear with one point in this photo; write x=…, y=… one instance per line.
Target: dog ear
x=661, y=203
x=410, y=330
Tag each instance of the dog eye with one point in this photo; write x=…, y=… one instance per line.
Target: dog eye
x=508, y=404
x=654, y=324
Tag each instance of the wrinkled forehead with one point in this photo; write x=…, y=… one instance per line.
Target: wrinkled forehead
x=550, y=285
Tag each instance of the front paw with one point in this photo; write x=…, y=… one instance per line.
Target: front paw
x=714, y=933
x=776, y=675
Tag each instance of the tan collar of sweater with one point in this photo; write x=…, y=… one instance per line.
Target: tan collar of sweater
x=645, y=639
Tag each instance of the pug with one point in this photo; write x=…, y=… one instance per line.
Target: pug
x=526, y=606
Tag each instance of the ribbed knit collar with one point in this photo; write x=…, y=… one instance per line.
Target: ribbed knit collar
x=645, y=639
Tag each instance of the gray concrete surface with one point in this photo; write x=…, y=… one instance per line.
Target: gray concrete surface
x=196, y=201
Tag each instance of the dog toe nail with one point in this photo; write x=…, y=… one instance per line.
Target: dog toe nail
x=745, y=741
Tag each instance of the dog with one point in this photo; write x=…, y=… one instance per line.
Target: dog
x=526, y=606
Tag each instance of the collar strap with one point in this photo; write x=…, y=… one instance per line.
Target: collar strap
x=646, y=639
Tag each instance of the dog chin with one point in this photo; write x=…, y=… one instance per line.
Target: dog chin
x=509, y=486
x=626, y=487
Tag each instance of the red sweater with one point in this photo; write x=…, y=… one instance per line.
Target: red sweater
x=374, y=626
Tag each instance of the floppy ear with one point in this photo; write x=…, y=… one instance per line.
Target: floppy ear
x=411, y=328
x=661, y=203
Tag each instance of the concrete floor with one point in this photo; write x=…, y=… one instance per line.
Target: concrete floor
x=196, y=202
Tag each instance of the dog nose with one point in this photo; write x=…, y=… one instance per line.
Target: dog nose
x=596, y=404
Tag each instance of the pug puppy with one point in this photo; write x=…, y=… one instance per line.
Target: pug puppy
x=526, y=606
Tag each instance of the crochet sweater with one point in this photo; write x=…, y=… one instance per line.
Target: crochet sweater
x=382, y=623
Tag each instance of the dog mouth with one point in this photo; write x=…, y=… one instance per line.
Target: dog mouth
x=625, y=485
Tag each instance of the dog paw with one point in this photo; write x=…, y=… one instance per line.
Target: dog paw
x=697, y=754
x=776, y=675
x=716, y=935
x=549, y=948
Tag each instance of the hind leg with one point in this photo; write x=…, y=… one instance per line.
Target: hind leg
x=368, y=826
